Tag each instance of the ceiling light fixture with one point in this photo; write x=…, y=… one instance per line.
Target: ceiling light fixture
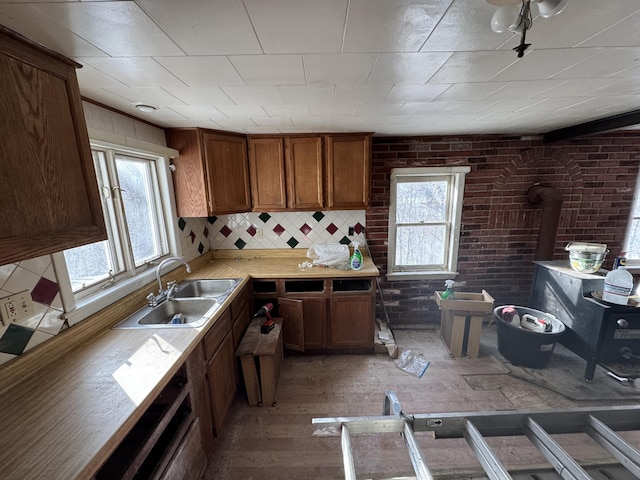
x=143, y=107
x=515, y=18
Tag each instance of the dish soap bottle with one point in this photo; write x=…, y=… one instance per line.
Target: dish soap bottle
x=448, y=293
x=356, y=258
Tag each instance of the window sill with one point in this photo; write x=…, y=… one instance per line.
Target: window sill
x=102, y=299
x=439, y=275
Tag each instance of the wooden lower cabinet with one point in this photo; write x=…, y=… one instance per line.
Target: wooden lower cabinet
x=350, y=320
x=189, y=457
x=322, y=314
x=221, y=378
x=167, y=441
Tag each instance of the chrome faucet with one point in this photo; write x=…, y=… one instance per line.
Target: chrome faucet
x=172, y=286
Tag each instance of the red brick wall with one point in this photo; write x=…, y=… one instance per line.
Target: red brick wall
x=596, y=176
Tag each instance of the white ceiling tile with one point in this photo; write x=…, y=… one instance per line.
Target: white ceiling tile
x=328, y=110
x=198, y=111
x=542, y=64
x=269, y=95
x=269, y=69
x=134, y=71
x=525, y=88
x=624, y=33
x=391, y=25
x=416, y=93
x=466, y=107
x=465, y=27
x=512, y=105
x=117, y=28
x=470, y=91
x=554, y=104
x=286, y=110
x=248, y=111
x=149, y=95
x=419, y=108
x=34, y=25
x=298, y=26
x=361, y=93
x=333, y=68
x=379, y=109
x=205, y=71
x=473, y=66
x=281, y=123
x=406, y=67
x=89, y=77
x=581, y=87
x=606, y=62
x=205, y=28
x=198, y=95
x=307, y=94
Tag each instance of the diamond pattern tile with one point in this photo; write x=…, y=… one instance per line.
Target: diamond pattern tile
x=281, y=227
x=15, y=339
x=240, y=244
x=182, y=223
x=44, y=291
x=292, y=242
x=212, y=220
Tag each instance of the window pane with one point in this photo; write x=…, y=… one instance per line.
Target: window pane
x=633, y=247
x=421, y=202
x=88, y=264
x=135, y=177
x=420, y=245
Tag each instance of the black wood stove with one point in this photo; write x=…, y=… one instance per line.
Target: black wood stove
x=600, y=332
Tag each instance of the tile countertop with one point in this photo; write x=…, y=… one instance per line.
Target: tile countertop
x=64, y=419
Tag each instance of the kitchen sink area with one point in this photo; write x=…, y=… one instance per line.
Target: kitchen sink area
x=190, y=304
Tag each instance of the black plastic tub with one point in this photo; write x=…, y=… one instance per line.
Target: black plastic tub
x=524, y=347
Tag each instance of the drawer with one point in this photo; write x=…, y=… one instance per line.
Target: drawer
x=238, y=303
x=214, y=337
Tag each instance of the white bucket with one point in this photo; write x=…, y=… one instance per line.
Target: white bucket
x=617, y=286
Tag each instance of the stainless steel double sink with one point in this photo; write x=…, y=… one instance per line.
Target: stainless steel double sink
x=194, y=302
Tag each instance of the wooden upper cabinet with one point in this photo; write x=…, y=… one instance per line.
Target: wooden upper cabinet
x=304, y=167
x=212, y=172
x=348, y=171
x=48, y=188
x=266, y=165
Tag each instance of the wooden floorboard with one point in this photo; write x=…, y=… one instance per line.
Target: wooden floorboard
x=263, y=443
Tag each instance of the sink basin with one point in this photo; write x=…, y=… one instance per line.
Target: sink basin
x=195, y=313
x=206, y=288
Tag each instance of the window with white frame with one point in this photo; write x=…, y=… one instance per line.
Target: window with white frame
x=632, y=238
x=137, y=219
x=424, y=221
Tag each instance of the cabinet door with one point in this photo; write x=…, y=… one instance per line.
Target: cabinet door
x=351, y=321
x=291, y=311
x=222, y=381
x=190, y=176
x=304, y=167
x=348, y=171
x=227, y=173
x=48, y=187
x=314, y=312
x=266, y=164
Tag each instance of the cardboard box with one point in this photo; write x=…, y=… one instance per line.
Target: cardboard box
x=466, y=301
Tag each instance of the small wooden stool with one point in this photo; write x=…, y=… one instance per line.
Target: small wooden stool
x=261, y=357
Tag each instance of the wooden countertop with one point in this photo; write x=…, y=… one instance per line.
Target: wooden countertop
x=66, y=406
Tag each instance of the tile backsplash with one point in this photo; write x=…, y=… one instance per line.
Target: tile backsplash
x=38, y=277
x=285, y=229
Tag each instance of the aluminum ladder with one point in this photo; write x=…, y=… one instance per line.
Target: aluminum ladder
x=600, y=423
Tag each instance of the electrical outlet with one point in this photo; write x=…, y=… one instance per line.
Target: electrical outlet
x=258, y=233
x=16, y=307
x=351, y=231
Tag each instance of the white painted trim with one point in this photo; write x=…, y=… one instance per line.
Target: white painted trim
x=121, y=141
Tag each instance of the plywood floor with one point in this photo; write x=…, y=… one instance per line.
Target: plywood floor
x=277, y=443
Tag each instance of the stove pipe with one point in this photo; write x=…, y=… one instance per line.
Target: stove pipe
x=551, y=200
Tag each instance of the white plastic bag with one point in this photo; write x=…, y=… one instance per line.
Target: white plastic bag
x=411, y=363
x=329, y=254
